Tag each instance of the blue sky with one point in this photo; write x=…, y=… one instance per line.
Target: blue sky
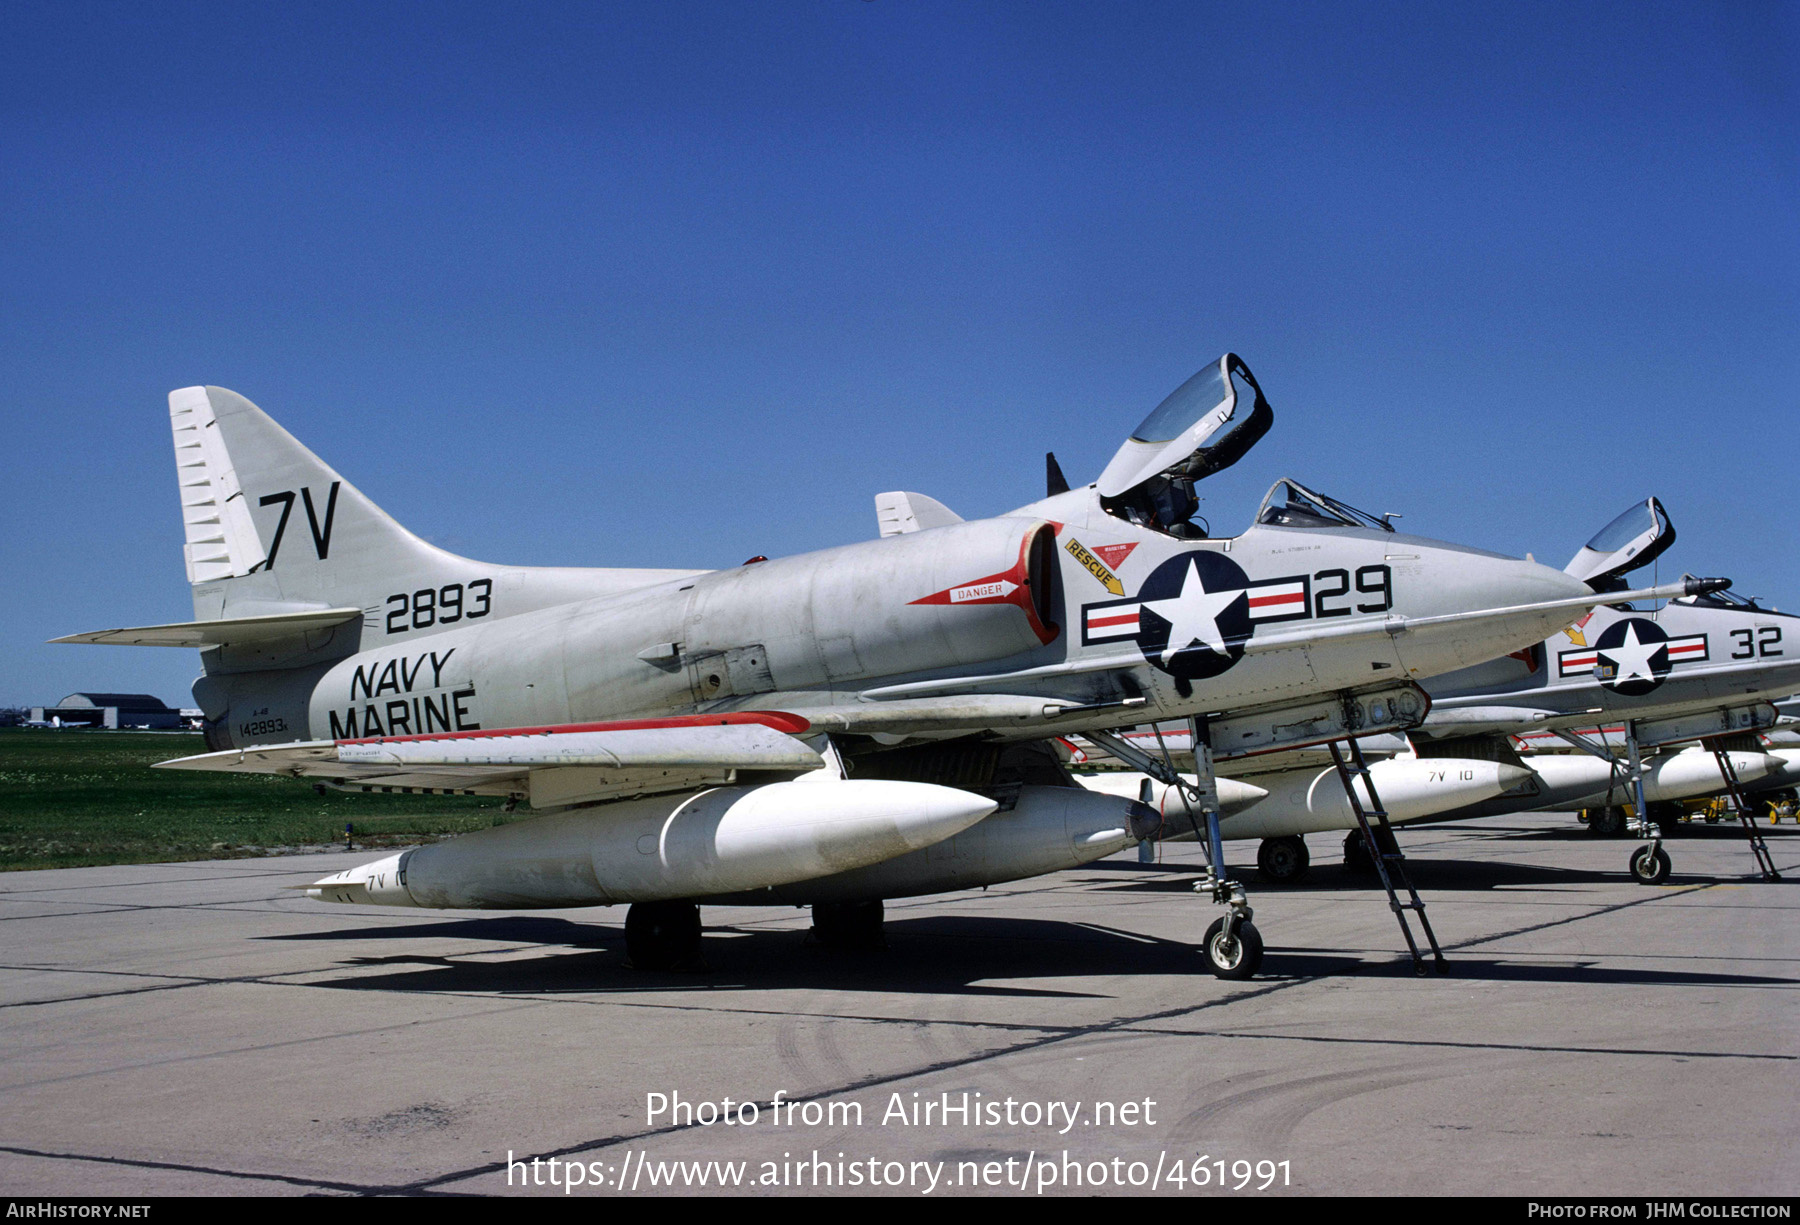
x=677, y=284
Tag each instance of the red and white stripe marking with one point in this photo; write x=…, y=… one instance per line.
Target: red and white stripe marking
x=1575, y=663
x=1116, y=621
x=1277, y=600
x=1687, y=649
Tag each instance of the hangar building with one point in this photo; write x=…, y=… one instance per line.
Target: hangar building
x=110, y=710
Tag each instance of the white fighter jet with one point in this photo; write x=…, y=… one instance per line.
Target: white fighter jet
x=835, y=728
x=1617, y=685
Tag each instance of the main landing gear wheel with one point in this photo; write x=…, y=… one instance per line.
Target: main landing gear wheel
x=1283, y=859
x=1650, y=865
x=663, y=935
x=1356, y=852
x=1238, y=957
x=1606, y=822
x=848, y=925
x=1666, y=816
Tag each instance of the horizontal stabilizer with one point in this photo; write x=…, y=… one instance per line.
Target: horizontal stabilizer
x=229, y=632
x=898, y=513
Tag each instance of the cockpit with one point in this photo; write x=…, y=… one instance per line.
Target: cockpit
x=1204, y=426
x=1291, y=504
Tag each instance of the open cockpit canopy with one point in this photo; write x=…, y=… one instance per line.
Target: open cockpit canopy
x=1636, y=538
x=1291, y=504
x=1204, y=426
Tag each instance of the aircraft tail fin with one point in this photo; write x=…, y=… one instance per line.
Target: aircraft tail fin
x=273, y=532
x=270, y=527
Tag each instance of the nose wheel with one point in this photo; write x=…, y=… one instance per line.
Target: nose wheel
x=1650, y=864
x=1233, y=946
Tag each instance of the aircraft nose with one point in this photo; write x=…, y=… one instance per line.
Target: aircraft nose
x=1467, y=579
x=1459, y=580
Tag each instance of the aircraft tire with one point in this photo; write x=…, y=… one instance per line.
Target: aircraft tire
x=1283, y=860
x=1606, y=822
x=1650, y=865
x=848, y=925
x=1356, y=855
x=662, y=935
x=1236, y=959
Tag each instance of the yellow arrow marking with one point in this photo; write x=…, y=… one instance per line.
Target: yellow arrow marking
x=1094, y=566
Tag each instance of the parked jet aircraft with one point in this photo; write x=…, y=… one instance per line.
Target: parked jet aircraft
x=1621, y=678
x=835, y=728
x=1281, y=801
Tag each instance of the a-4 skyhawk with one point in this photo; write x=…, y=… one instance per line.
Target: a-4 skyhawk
x=1619, y=684
x=835, y=728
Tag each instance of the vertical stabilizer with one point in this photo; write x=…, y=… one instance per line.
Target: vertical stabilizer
x=270, y=528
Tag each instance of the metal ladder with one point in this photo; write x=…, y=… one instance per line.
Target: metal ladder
x=1733, y=788
x=1389, y=864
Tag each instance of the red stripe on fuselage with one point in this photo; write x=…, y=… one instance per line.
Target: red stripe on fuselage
x=781, y=721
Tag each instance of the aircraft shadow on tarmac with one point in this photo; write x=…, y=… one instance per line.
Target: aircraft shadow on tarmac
x=931, y=955
x=1427, y=874
x=1313, y=963
x=928, y=955
x=1698, y=831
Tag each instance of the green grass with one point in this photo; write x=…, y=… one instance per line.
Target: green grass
x=79, y=798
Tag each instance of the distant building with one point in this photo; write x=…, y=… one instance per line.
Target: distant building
x=114, y=710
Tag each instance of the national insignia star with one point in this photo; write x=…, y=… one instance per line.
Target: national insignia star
x=1193, y=615
x=1632, y=657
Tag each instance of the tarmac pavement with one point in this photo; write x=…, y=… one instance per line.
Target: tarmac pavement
x=202, y=1028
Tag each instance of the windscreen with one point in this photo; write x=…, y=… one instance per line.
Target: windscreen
x=1291, y=504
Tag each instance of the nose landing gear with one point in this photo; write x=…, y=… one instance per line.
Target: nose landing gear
x=1233, y=951
x=1650, y=864
x=1232, y=946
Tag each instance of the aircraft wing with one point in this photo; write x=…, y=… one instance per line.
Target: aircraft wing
x=560, y=765
x=204, y=634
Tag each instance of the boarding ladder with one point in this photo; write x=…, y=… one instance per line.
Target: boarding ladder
x=1389, y=864
x=1735, y=789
